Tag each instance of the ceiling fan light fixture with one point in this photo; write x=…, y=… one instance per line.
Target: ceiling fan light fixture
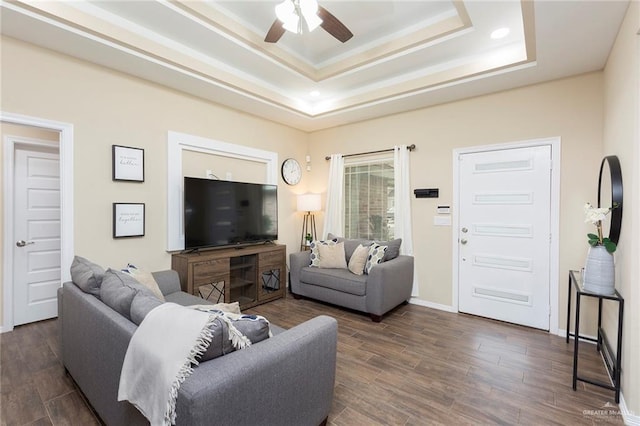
x=292, y=24
x=309, y=9
x=291, y=12
x=286, y=13
x=313, y=22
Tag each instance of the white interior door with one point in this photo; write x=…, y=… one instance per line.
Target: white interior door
x=504, y=235
x=36, y=257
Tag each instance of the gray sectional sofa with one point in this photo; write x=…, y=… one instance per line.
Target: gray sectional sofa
x=387, y=285
x=287, y=379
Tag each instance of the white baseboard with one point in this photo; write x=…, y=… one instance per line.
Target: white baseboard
x=563, y=333
x=629, y=417
x=438, y=306
x=4, y=329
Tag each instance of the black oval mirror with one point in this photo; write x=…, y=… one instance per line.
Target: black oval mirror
x=610, y=172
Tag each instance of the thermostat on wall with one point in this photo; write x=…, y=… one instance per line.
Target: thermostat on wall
x=443, y=210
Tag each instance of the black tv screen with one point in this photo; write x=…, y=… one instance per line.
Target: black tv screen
x=219, y=213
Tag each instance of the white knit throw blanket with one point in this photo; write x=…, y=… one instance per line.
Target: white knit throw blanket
x=159, y=359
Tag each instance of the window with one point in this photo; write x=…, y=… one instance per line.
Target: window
x=369, y=199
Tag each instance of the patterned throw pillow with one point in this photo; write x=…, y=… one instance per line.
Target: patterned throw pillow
x=315, y=254
x=376, y=254
x=249, y=329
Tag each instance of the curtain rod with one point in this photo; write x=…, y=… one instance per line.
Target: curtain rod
x=410, y=148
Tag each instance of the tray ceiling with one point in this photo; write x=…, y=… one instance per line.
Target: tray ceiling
x=404, y=54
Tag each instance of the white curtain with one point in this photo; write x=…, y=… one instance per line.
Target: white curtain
x=333, y=215
x=402, y=205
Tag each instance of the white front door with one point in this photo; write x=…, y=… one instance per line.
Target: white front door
x=504, y=235
x=36, y=257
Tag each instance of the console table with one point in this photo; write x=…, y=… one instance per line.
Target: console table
x=250, y=275
x=612, y=361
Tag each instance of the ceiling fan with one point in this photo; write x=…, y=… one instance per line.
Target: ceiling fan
x=291, y=13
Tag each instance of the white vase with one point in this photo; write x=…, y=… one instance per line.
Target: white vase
x=599, y=272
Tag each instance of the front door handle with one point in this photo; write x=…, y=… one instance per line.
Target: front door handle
x=22, y=243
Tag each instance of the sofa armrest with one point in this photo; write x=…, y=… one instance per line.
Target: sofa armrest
x=389, y=284
x=168, y=281
x=287, y=379
x=297, y=261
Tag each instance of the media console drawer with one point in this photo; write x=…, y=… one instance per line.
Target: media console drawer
x=203, y=271
x=272, y=258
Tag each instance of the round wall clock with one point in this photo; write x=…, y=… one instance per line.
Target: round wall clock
x=291, y=171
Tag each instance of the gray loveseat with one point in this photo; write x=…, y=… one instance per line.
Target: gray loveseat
x=287, y=379
x=388, y=284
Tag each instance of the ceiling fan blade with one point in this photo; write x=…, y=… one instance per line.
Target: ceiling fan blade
x=333, y=26
x=275, y=32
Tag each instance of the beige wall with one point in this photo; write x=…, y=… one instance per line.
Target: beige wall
x=196, y=164
x=621, y=138
x=107, y=108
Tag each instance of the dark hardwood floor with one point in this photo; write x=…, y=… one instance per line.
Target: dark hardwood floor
x=418, y=366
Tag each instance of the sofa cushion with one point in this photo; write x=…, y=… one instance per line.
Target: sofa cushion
x=331, y=256
x=350, y=245
x=145, y=278
x=335, y=279
x=315, y=255
x=141, y=305
x=376, y=256
x=118, y=290
x=185, y=299
x=393, y=248
x=359, y=259
x=255, y=328
x=87, y=275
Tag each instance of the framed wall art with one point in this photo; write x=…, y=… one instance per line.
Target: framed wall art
x=128, y=163
x=128, y=220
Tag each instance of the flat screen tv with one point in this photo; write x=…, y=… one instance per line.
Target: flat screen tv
x=220, y=213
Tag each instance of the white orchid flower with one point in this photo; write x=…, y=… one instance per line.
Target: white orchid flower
x=594, y=215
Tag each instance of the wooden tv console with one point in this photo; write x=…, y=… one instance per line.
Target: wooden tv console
x=250, y=275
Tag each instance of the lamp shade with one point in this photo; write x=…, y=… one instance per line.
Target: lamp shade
x=309, y=202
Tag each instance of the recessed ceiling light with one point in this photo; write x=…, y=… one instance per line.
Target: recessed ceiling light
x=314, y=93
x=500, y=33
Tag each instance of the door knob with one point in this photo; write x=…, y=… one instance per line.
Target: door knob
x=465, y=230
x=22, y=243
x=463, y=241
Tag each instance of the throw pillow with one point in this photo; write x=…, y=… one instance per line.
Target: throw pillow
x=393, y=250
x=118, y=290
x=87, y=275
x=255, y=328
x=315, y=256
x=350, y=244
x=145, y=278
x=359, y=259
x=375, y=256
x=332, y=256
